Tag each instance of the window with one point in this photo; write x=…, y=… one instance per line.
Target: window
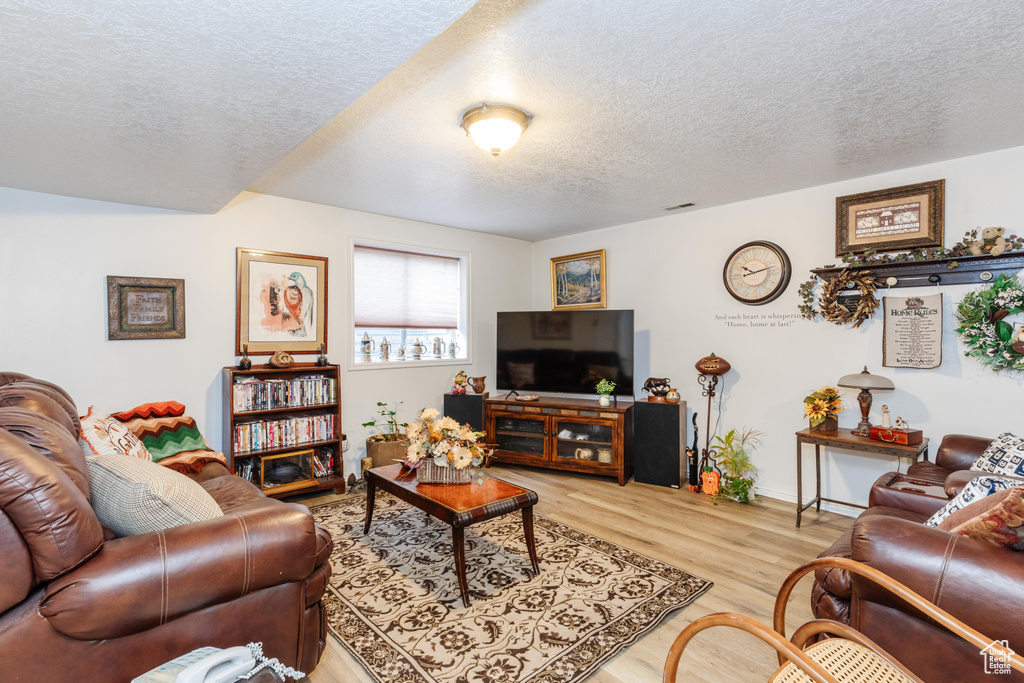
x=411, y=303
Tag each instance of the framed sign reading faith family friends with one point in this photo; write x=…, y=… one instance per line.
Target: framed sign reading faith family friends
x=145, y=308
x=897, y=219
x=281, y=303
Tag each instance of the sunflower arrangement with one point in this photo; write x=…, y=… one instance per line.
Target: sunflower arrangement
x=823, y=404
x=443, y=441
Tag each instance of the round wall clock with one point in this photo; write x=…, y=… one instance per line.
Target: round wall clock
x=757, y=272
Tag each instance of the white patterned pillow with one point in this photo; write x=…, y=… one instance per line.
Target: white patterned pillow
x=105, y=435
x=132, y=496
x=1005, y=455
x=975, y=490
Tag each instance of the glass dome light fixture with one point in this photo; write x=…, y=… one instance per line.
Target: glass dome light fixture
x=495, y=127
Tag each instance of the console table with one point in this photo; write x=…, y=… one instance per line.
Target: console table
x=843, y=439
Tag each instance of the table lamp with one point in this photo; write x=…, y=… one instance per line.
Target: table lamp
x=865, y=381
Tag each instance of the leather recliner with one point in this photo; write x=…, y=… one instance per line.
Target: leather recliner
x=981, y=585
x=77, y=604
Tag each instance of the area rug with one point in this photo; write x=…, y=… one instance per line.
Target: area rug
x=394, y=602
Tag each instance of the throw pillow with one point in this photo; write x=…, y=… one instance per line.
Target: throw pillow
x=975, y=490
x=103, y=435
x=1005, y=455
x=146, y=410
x=167, y=436
x=997, y=520
x=131, y=496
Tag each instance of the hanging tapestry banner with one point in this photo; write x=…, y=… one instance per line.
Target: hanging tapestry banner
x=912, y=331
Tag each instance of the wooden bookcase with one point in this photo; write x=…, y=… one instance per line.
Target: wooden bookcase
x=564, y=434
x=279, y=421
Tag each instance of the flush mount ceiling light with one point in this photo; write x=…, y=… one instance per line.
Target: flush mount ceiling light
x=495, y=127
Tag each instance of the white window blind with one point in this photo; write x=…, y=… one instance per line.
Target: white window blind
x=404, y=289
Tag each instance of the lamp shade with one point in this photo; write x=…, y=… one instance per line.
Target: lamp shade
x=495, y=127
x=865, y=380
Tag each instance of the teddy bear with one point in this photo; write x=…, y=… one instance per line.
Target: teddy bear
x=991, y=242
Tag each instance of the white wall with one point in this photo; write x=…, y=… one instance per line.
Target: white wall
x=55, y=254
x=670, y=271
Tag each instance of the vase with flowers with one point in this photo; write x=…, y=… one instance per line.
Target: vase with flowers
x=441, y=450
x=822, y=407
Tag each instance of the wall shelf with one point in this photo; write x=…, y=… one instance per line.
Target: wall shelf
x=970, y=270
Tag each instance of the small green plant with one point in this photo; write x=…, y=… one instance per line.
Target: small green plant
x=734, y=451
x=605, y=387
x=388, y=425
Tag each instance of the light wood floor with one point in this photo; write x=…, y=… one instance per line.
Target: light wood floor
x=746, y=550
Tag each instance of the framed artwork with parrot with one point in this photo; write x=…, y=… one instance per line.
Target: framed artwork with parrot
x=281, y=303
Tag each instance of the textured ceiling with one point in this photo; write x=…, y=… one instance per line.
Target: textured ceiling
x=640, y=105
x=184, y=103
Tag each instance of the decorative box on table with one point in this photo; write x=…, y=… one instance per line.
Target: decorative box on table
x=905, y=437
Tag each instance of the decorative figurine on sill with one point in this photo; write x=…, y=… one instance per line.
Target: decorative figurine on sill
x=902, y=424
x=385, y=349
x=321, y=360
x=366, y=346
x=886, y=421
x=438, y=347
x=459, y=384
x=453, y=350
x=245, y=363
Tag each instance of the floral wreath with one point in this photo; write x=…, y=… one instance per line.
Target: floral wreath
x=988, y=337
x=830, y=308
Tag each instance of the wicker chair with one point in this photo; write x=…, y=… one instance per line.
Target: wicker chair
x=846, y=656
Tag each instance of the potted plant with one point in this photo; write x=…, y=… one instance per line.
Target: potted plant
x=388, y=445
x=734, y=451
x=605, y=388
x=822, y=407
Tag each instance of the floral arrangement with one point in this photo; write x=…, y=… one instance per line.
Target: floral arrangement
x=444, y=441
x=989, y=338
x=822, y=404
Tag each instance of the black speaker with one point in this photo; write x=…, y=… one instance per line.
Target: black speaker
x=466, y=409
x=659, y=443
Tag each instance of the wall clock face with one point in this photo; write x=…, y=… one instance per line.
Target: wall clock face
x=757, y=272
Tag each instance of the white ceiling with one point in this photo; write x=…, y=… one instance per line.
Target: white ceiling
x=637, y=105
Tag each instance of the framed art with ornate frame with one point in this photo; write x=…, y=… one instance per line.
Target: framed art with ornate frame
x=896, y=219
x=578, y=281
x=281, y=302
x=145, y=308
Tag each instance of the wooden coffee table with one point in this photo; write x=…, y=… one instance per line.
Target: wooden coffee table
x=458, y=505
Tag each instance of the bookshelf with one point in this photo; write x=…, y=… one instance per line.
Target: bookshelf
x=282, y=427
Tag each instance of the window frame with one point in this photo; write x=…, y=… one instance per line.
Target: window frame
x=465, y=305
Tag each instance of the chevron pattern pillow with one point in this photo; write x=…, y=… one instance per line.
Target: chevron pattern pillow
x=167, y=436
x=1005, y=455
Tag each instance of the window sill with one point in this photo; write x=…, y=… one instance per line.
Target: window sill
x=408, y=363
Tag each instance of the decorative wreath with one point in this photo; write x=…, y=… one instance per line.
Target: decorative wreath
x=988, y=337
x=832, y=289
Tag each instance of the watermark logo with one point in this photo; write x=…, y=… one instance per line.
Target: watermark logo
x=997, y=657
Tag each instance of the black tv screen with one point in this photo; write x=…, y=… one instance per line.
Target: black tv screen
x=565, y=351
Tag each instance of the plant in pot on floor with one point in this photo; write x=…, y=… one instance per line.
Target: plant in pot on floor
x=822, y=408
x=734, y=451
x=605, y=388
x=388, y=446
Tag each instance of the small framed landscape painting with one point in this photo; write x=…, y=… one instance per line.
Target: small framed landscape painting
x=281, y=303
x=145, y=308
x=578, y=281
x=897, y=219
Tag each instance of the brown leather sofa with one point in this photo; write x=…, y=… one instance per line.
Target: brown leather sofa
x=78, y=605
x=981, y=585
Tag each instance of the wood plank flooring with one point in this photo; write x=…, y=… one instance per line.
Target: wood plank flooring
x=747, y=550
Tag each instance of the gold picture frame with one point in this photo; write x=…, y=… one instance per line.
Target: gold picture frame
x=281, y=302
x=578, y=281
x=896, y=219
x=145, y=307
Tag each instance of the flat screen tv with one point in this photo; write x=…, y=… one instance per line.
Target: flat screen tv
x=565, y=351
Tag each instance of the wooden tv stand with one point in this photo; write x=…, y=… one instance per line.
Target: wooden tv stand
x=578, y=435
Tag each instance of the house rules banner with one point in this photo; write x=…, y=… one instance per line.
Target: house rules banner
x=912, y=332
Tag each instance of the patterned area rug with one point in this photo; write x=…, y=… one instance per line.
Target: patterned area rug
x=394, y=597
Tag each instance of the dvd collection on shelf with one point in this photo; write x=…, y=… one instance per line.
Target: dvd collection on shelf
x=251, y=394
x=293, y=431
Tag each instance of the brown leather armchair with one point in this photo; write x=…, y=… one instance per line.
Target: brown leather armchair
x=78, y=604
x=978, y=584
